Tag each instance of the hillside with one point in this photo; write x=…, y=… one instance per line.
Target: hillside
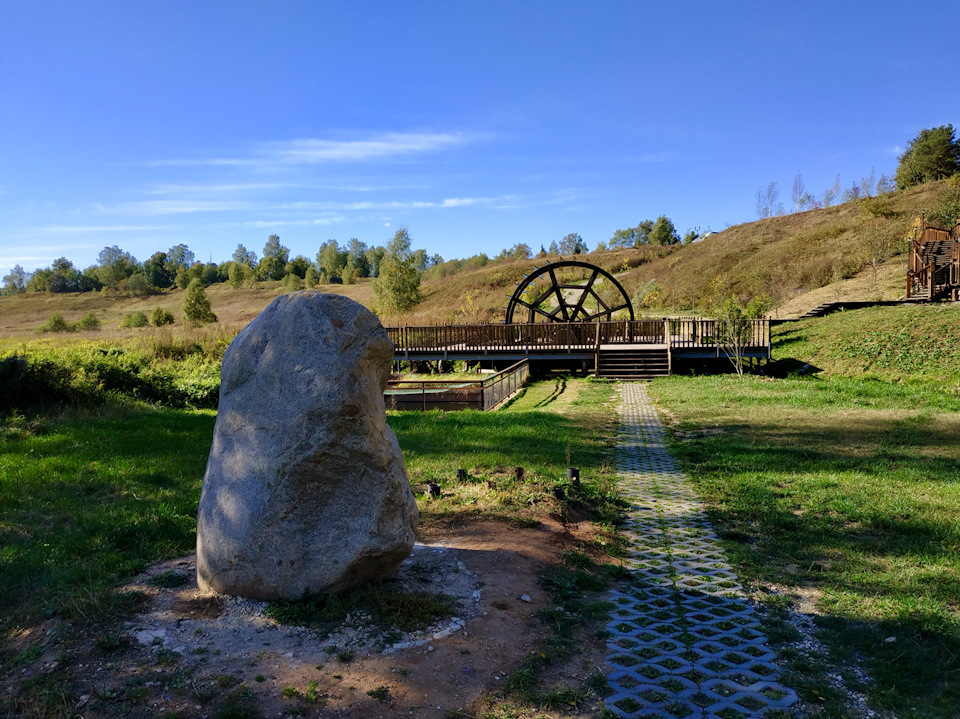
x=799, y=260
x=908, y=343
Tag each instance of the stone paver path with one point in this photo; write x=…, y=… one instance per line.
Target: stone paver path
x=685, y=641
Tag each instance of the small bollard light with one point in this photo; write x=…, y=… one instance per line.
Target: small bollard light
x=461, y=475
x=433, y=489
x=573, y=475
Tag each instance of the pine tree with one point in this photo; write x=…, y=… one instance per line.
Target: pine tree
x=196, y=308
x=932, y=155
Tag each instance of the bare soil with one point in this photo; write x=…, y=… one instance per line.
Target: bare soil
x=184, y=654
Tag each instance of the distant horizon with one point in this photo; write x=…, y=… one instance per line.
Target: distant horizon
x=477, y=127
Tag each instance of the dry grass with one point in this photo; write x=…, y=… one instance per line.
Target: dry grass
x=21, y=315
x=890, y=285
x=788, y=256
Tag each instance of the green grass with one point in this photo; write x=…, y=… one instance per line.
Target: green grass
x=89, y=499
x=543, y=439
x=912, y=344
x=847, y=490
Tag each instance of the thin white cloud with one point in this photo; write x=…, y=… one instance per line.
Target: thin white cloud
x=314, y=150
x=11, y=260
x=101, y=228
x=194, y=189
x=173, y=207
x=316, y=222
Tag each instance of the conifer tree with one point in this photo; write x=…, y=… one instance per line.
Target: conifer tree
x=196, y=308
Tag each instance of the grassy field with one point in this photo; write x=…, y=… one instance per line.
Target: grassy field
x=90, y=497
x=839, y=498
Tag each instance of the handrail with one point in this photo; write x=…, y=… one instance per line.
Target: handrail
x=683, y=332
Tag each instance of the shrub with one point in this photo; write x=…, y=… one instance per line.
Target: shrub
x=89, y=322
x=57, y=323
x=134, y=319
x=160, y=317
x=91, y=376
x=947, y=210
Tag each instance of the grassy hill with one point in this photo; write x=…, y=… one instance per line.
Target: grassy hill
x=853, y=251
x=906, y=344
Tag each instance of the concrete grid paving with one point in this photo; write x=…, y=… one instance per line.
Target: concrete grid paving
x=685, y=642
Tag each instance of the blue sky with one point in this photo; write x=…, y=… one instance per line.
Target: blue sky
x=477, y=125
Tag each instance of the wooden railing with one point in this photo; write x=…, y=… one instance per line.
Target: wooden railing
x=684, y=332
x=482, y=394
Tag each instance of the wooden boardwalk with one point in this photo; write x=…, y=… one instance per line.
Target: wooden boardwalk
x=617, y=345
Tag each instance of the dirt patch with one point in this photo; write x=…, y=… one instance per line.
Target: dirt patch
x=185, y=653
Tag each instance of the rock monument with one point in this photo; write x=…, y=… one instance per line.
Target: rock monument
x=305, y=489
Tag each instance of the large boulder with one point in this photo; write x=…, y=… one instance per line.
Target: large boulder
x=305, y=489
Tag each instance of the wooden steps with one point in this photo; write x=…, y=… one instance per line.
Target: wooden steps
x=634, y=364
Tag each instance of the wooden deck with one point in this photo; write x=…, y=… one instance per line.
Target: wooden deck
x=693, y=338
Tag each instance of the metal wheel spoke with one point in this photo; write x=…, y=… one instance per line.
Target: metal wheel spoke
x=568, y=310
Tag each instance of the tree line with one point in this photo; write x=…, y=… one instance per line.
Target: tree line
x=118, y=271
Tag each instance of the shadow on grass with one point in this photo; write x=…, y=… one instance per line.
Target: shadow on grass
x=499, y=438
x=863, y=511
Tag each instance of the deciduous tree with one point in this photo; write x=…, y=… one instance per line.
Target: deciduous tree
x=572, y=244
x=275, y=258
x=397, y=286
x=798, y=193
x=632, y=236
x=242, y=255
x=663, y=232
x=114, y=265
x=768, y=204
x=15, y=283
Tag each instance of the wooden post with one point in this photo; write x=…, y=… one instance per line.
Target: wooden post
x=596, y=353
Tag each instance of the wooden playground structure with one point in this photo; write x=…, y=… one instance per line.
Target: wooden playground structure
x=934, y=269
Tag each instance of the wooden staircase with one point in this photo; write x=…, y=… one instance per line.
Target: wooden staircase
x=634, y=364
x=934, y=271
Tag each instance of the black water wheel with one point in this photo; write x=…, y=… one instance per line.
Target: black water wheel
x=567, y=291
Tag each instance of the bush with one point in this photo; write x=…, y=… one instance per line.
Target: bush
x=89, y=322
x=57, y=323
x=92, y=376
x=947, y=210
x=160, y=317
x=134, y=319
